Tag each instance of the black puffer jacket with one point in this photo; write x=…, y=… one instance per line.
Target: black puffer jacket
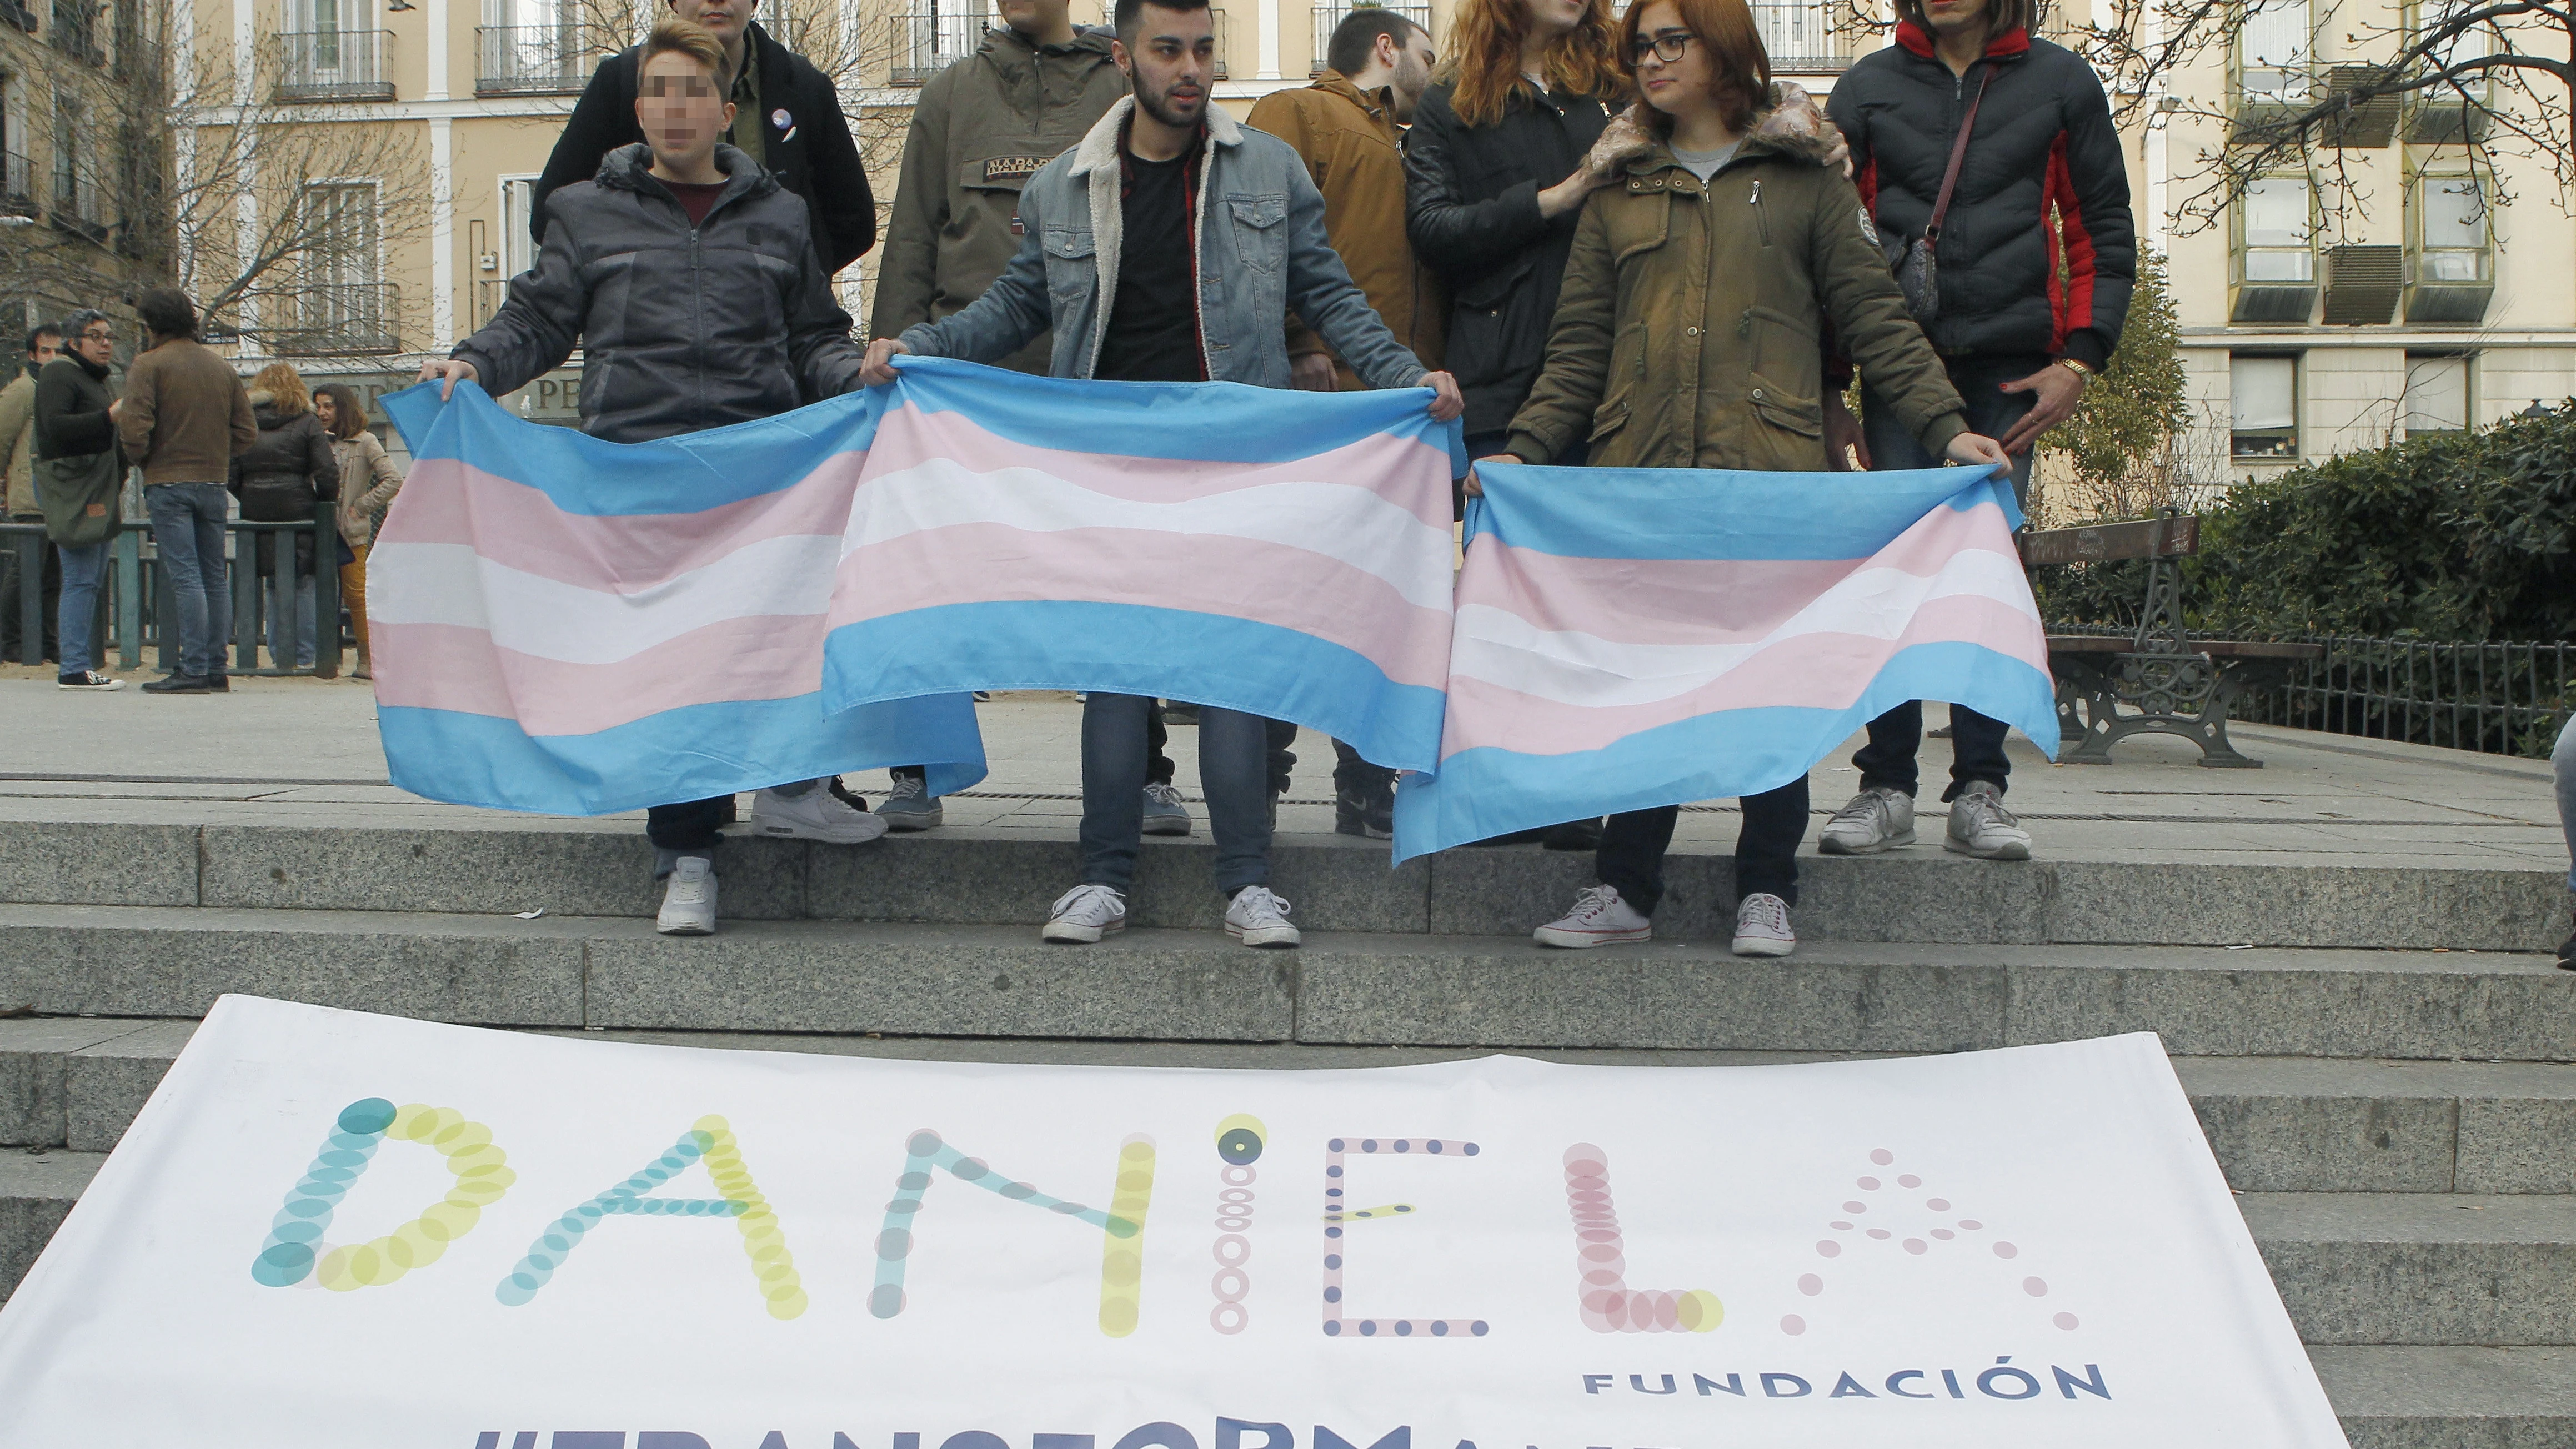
x=681, y=328
x=2043, y=141
x=811, y=155
x=284, y=476
x=1471, y=207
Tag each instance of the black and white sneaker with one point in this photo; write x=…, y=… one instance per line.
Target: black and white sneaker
x=91, y=680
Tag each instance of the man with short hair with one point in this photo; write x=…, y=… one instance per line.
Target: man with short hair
x=184, y=417
x=719, y=313
x=2042, y=190
x=18, y=448
x=1141, y=281
x=980, y=129
x=78, y=481
x=787, y=119
x=1345, y=128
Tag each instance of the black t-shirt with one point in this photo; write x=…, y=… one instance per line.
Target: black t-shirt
x=1154, y=322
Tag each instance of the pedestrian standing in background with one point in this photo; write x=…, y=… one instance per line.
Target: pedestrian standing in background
x=1735, y=213
x=1514, y=134
x=285, y=475
x=980, y=129
x=18, y=498
x=2562, y=760
x=1346, y=127
x=185, y=416
x=2035, y=258
x=80, y=479
x=368, y=482
x=718, y=313
x=787, y=120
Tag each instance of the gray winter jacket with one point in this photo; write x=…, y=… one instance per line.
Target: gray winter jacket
x=681, y=328
x=1262, y=253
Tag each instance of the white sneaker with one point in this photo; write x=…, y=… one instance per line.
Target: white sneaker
x=1762, y=926
x=1599, y=918
x=1878, y=818
x=818, y=814
x=689, y=899
x=1164, y=812
x=1257, y=918
x=1086, y=913
x=1982, y=827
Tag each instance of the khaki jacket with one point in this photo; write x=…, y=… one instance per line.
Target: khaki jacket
x=18, y=445
x=368, y=482
x=1690, y=330
x=980, y=130
x=1349, y=141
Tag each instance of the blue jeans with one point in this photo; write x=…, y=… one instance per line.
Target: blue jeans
x=1234, y=764
x=1976, y=742
x=301, y=606
x=188, y=528
x=83, y=568
x=2563, y=756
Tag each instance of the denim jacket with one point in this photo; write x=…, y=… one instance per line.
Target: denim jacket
x=1262, y=254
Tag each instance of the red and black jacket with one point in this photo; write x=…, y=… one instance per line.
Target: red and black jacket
x=2045, y=177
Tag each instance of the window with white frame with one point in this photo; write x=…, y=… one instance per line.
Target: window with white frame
x=2275, y=51
x=518, y=207
x=2451, y=228
x=2277, y=230
x=2437, y=395
x=2263, y=399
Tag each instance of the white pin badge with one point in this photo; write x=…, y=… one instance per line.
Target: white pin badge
x=785, y=123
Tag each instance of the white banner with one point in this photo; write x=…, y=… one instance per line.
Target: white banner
x=331, y=1229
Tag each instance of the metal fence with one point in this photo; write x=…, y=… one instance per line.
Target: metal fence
x=340, y=319
x=136, y=611
x=335, y=65
x=933, y=39
x=1328, y=17
x=2503, y=699
x=1801, y=38
x=530, y=60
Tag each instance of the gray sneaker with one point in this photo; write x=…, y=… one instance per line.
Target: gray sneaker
x=909, y=805
x=1164, y=812
x=1878, y=818
x=1982, y=827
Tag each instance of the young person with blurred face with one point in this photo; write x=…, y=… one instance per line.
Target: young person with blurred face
x=710, y=245
x=1345, y=128
x=1730, y=240
x=1138, y=278
x=2036, y=258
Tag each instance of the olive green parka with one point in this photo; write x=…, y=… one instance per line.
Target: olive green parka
x=1691, y=331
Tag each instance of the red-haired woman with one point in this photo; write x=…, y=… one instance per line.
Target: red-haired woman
x=1516, y=130
x=1694, y=297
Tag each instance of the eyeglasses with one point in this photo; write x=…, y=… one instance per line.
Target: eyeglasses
x=1665, y=45
x=98, y=337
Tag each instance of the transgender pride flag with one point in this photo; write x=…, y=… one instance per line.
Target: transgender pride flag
x=578, y=627
x=1633, y=637
x=1284, y=553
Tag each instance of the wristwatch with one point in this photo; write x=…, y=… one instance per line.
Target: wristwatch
x=2078, y=368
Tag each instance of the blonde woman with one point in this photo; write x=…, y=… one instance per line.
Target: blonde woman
x=368, y=482
x=282, y=479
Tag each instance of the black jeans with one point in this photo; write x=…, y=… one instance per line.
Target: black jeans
x=1631, y=856
x=49, y=583
x=1976, y=742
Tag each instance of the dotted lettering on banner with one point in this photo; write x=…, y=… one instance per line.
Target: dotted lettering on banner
x=1905, y=1195
x=1337, y=1216
x=1609, y=1304
x=710, y=1141
x=296, y=1250
x=1239, y=1142
x=1122, y=1253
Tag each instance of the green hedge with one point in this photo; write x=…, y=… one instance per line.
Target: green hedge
x=2461, y=537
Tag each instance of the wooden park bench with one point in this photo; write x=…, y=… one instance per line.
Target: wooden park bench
x=2158, y=680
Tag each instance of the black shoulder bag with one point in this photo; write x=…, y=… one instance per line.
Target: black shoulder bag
x=1918, y=271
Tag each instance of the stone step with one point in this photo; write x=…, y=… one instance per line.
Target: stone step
x=473, y=864
x=2276, y=1124
x=2432, y=1396
x=2451, y=1397
x=2421, y=1268
x=1409, y=990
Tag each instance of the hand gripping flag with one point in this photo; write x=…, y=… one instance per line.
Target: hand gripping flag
x=1634, y=637
x=578, y=627
x=1288, y=554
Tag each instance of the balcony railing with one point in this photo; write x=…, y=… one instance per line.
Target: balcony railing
x=340, y=319
x=1329, y=17
x=17, y=185
x=1802, y=39
x=335, y=65
x=928, y=41
x=530, y=60
x=78, y=208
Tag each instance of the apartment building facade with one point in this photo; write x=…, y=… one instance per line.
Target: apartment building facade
x=81, y=168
